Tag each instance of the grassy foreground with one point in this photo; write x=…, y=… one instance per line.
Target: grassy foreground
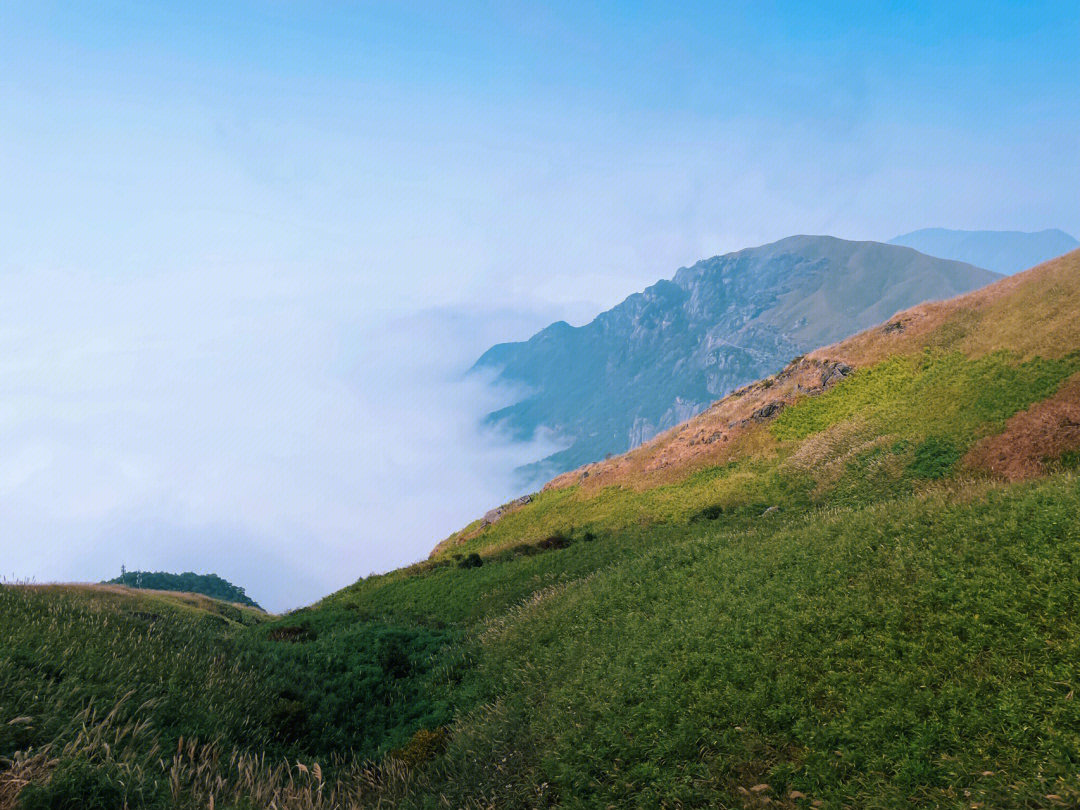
x=852, y=585
x=923, y=649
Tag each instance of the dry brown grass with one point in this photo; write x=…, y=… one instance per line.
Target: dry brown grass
x=1044, y=431
x=20, y=772
x=111, y=597
x=999, y=316
x=828, y=453
x=200, y=775
x=835, y=442
x=203, y=775
x=101, y=738
x=733, y=428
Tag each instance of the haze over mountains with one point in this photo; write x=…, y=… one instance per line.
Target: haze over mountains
x=663, y=355
x=1004, y=252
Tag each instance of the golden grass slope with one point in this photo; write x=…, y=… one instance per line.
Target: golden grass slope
x=1034, y=313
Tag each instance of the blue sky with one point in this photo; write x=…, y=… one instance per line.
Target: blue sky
x=247, y=247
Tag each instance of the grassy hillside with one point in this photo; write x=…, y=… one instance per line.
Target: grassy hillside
x=945, y=375
x=854, y=584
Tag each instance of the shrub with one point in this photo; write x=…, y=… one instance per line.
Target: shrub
x=1071, y=460
x=293, y=633
x=424, y=745
x=472, y=560
x=289, y=716
x=711, y=512
x=554, y=541
x=934, y=458
x=393, y=655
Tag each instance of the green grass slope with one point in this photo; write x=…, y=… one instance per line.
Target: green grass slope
x=854, y=584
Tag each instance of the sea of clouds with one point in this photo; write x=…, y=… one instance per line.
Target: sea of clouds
x=271, y=428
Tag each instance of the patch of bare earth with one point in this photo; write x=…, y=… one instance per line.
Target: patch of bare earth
x=1032, y=437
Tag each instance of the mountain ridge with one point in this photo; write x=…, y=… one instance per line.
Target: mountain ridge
x=1014, y=314
x=1005, y=252
x=1002, y=315
x=665, y=353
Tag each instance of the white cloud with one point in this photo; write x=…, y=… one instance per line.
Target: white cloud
x=263, y=427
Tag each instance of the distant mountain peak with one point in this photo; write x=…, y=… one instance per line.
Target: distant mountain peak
x=1004, y=252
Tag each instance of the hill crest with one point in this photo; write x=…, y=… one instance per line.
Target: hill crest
x=997, y=317
x=1015, y=340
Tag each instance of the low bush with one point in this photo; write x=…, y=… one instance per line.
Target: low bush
x=555, y=541
x=934, y=458
x=471, y=560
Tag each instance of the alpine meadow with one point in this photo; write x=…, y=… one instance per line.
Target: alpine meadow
x=853, y=583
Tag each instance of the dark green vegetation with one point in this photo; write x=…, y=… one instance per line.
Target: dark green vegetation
x=838, y=606
x=207, y=584
x=866, y=657
x=318, y=681
x=663, y=355
x=914, y=649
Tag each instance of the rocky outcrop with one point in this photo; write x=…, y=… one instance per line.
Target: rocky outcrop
x=767, y=411
x=662, y=355
x=499, y=512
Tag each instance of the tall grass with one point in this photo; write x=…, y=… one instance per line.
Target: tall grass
x=851, y=618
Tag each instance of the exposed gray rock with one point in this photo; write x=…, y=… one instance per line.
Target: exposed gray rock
x=494, y=515
x=767, y=411
x=663, y=355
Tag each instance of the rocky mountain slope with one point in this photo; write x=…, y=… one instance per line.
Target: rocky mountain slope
x=664, y=354
x=1005, y=252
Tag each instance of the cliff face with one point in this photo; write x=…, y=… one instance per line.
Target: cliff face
x=664, y=354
